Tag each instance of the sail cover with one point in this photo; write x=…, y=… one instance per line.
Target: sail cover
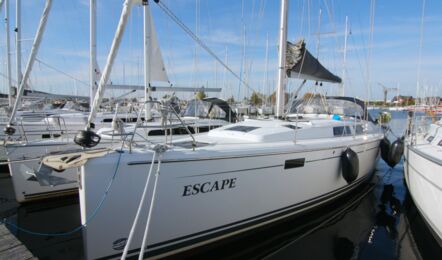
x=301, y=64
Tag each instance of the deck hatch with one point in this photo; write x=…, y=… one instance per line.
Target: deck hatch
x=189, y=144
x=294, y=163
x=430, y=139
x=242, y=128
x=292, y=127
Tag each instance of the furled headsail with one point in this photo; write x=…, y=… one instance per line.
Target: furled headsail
x=157, y=68
x=301, y=64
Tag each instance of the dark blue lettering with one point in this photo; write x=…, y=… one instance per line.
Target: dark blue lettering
x=202, y=187
x=232, y=183
x=225, y=182
x=215, y=186
x=196, y=189
x=187, y=190
x=209, y=187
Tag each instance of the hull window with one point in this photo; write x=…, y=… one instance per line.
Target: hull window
x=341, y=131
x=295, y=163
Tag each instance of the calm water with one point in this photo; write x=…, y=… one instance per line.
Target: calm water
x=376, y=221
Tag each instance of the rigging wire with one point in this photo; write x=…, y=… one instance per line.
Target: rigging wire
x=258, y=27
x=421, y=40
x=370, y=47
x=419, y=64
x=197, y=31
x=301, y=24
x=364, y=53
x=308, y=17
x=170, y=53
x=243, y=51
x=62, y=72
x=186, y=29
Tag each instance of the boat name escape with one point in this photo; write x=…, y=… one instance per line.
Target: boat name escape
x=209, y=187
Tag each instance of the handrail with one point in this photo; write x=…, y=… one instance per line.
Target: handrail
x=164, y=107
x=51, y=128
x=185, y=126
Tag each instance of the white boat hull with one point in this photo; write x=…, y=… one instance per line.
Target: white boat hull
x=207, y=197
x=423, y=175
x=26, y=186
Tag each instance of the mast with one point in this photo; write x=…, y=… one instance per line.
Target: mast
x=93, y=50
x=147, y=54
x=244, y=65
x=281, y=59
x=225, y=73
x=195, y=60
x=127, y=6
x=266, y=73
x=18, y=41
x=345, y=57
x=34, y=51
x=8, y=54
x=216, y=73
x=318, y=44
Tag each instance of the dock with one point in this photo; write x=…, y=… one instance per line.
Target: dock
x=11, y=247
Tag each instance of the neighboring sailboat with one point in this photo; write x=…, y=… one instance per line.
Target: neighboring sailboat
x=422, y=171
x=423, y=156
x=232, y=180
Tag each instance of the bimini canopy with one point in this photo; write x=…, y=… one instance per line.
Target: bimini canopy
x=301, y=64
x=348, y=106
x=210, y=108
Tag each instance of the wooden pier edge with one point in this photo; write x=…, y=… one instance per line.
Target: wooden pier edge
x=11, y=248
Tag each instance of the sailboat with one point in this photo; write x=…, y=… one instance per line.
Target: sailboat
x=423, y=155
x=422, y=168
x=239, y=177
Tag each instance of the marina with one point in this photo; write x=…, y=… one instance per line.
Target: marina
x=290, y=156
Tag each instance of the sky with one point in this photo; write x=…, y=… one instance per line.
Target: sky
x=236, y=31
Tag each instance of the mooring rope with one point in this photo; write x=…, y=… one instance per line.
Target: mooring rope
x=140, y=206
x=149, y=215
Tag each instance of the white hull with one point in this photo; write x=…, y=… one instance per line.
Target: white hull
x=254, y=189
x=423, y=174
x=26, y=186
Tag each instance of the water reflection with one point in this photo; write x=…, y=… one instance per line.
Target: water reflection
x=388, y=210
x=343, y=238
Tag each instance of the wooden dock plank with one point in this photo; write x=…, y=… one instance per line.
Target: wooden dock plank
x=11, y=247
